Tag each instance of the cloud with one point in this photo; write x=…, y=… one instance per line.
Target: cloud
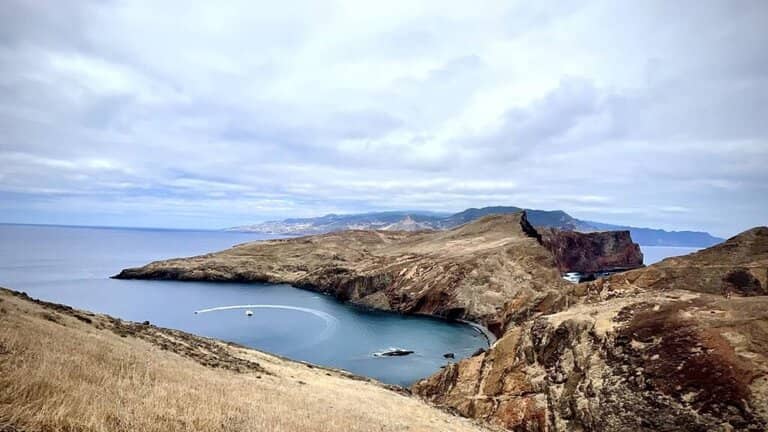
x=201, y=115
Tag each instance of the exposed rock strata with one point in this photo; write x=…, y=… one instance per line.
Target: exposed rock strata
x=592, y=252
x=490, y=271
x=681, y=345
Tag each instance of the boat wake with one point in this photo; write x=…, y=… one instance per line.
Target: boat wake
x=331, y=323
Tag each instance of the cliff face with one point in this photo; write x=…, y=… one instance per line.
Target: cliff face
x=680, y=345
x=592, y=252
x=490, y=271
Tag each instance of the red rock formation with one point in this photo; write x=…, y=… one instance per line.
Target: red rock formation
x=592, y=252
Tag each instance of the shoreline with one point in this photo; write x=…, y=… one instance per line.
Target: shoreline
x=99, y=361
x=487, y=334
x=489, y=337
x=85, y=314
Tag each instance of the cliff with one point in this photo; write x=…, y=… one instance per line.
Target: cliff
x=490, y=271
x=592, y=252
x=681, y=345
x=63, y=369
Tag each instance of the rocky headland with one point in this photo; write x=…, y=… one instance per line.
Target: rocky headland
x=592, y=252
x=490, y=271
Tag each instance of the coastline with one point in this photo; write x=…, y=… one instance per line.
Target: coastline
x=489, y=336
x=159, y=379
x=137, y=327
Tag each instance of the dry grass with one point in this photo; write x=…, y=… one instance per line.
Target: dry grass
x=60, y=373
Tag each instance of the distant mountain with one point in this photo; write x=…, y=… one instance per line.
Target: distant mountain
x=659, y=237
x=391, y=220
x=415, y=220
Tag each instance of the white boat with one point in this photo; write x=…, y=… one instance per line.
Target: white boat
x=249, y=313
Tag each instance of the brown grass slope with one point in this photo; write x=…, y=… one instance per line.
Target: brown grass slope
x=738, y=265
x=67, y=370
x=679, y=346
x=491, y=271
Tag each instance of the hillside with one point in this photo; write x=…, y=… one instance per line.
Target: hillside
x=470, y=272
x=63, y=369
x=485, y=271
x=414, y=221
x=680, y=345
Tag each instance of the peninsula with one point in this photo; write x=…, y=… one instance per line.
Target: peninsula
x=488, y=271
x=679, y=345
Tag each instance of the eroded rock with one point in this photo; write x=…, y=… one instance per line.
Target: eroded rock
x=639, y=351
x=592, y=252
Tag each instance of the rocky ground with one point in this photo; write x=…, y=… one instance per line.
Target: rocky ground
x=679, y=346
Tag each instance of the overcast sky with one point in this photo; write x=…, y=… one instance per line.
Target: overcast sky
x=171, y=114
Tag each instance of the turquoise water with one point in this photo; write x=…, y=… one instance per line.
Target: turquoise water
x=72, y=266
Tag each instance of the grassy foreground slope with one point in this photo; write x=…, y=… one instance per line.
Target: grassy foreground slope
x=67, y=370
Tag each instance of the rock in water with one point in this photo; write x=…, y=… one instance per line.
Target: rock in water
x=449, y=355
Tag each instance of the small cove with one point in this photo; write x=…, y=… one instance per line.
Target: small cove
x=72, y=266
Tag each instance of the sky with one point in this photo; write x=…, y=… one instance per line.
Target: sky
x=215, y=114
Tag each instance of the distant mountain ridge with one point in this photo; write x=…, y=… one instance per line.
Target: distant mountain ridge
x=424, y=220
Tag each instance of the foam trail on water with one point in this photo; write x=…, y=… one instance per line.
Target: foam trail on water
x=331, y=323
